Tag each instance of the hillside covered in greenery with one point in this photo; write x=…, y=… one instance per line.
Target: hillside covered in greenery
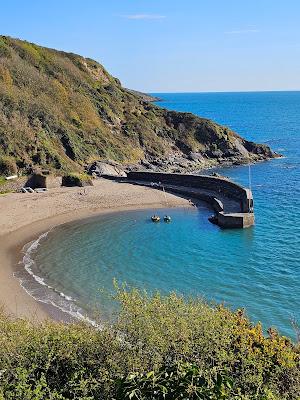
x=62, y=111
x=158, y=348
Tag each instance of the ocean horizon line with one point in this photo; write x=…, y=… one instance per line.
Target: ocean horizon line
x=225, y=91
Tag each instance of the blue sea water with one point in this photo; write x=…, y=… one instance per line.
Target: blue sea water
x=256, y=268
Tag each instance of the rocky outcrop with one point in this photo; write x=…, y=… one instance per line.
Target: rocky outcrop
x=100, y=168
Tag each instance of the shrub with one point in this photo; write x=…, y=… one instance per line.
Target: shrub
x=178, y=381
x=171, y=328
x=8, y=166
x=158, y=348
x=75, y=179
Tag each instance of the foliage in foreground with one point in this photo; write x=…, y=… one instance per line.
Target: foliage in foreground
x=158, y=348
x=179, y=381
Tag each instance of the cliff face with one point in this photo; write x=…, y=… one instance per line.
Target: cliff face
x=62, y=111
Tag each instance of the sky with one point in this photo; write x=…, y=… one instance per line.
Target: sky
x=171, y=45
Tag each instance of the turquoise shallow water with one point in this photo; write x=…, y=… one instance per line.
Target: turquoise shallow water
x=256, y=268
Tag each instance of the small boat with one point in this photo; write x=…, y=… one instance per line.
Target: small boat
x=167, y=218
x=155, y=218
x=213, y=219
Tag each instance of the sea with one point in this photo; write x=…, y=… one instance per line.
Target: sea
x=74, y=266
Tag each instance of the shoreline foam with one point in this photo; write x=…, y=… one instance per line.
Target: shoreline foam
x=27, y=264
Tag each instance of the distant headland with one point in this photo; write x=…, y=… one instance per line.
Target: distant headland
x=145, y=96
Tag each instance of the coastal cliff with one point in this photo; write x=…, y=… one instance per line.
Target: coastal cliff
x=61, y=111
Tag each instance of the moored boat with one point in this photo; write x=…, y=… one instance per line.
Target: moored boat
x=155, y=218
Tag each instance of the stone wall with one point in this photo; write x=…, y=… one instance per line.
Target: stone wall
x=44, y=181
x=215, y=184
x=53, y=181
x=243, y=220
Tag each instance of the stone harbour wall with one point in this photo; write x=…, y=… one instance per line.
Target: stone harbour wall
x=216, y=184
x=242, y=217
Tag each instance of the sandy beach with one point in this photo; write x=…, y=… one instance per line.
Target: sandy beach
x=25, y=216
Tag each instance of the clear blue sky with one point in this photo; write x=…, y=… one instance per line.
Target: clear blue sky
x=171, y=45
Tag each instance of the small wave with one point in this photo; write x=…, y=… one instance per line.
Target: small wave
x=76, y=313
x=69, y=308
x=69, y=298
x=289, y=166
x=28, y=262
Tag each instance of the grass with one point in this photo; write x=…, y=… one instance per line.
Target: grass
x=4, y=191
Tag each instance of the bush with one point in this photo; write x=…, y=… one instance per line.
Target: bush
x=77, y=180
x=158, y=348
x=178, y=381
x=8, y=166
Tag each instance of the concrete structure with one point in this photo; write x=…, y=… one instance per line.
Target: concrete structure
x=232, y=203
x=38, y=180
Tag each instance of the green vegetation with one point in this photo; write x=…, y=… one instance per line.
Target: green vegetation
x=76, y=179
x=3, y=186
x=158, y=348
x=61, y=111
x=178, y=381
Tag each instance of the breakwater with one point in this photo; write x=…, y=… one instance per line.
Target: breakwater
x=232, y=203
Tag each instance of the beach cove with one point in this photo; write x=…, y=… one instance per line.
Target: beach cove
x=255, y=268
x=24, y=217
